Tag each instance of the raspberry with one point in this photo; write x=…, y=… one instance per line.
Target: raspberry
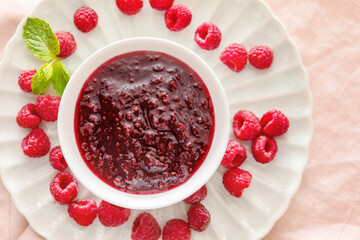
x=47, y=107
x=57, y=159
x=236, y=180
x=111, y=215
x=235, y=155
x=25, y=80
x=176, y=229
x=64, y=188
x=161, y=4
x=67, y=43
x=27, y=117
x=264, y=149
x=198, y=217
x=198, y=196
x=234, y=56
x=129, y=7
x=261, y=57
x=145, y=227
x=83, y=212
x=246, y=126
x=274, y=123
x=208, y=36
x=85, y=19
x=177, y=17
x=36, y=143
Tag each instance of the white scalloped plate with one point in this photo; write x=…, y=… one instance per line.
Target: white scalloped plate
x=284, y=86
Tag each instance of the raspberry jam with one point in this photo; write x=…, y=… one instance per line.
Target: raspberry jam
x=144, y=122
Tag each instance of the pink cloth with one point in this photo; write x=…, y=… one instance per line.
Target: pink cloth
x=327, y=205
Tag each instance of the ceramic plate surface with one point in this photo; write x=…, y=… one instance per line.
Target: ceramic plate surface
x=284, y=86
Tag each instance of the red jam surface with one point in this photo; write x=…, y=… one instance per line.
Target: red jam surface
x=144, y=122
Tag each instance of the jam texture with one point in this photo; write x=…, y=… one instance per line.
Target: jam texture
x=144, y=122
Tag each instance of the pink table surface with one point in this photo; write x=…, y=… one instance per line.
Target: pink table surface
x=327, y=205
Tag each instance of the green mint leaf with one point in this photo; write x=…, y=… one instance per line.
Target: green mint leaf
x=60, y=77
x=42, y=79
x=40, y=39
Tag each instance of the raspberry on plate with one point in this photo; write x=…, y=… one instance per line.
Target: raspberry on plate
x=261, y=57
x=129, y=7
x=64, y=188
x=36, y=143
x=67, y=43
x=56, y=159
x=234, y=156
x=234, y=56
x=145, y=227
x=47, y=107
x=161, y=4
x=27, y=117
x=236, y=180
x=198, y=217
x=111, y=215
x=85, y=19
x=274, y=123
x=83, y=212
x=176, y=229
x=246, y=126
x=198, y=196
x=208, y=36
x=25, y=80
x=264, y=149
x=177, y=17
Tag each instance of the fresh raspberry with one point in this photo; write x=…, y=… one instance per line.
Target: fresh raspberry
x=85, y=19
x=246, y=126
x=161, y=4
x=111, y=215
x=198, y=217
x=67, y=43
x=176, y=229
x=234, y=56
x=208, y=36
x=235, y=155
x=145, y=227
x=129, y=7
x=261, y=57
x=264, y=149
x=198, y=196
x=57, y=159
x=236, y=180
x=27, y=117
x=47, y=107
x=177, y=17
x=25, y=80
x=64, y=188
x=274, y=123
x=36, y=143
x=83, y=212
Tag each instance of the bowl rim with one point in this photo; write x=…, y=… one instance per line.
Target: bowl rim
x=69, y=145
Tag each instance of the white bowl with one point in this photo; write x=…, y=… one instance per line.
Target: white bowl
x=66, y=125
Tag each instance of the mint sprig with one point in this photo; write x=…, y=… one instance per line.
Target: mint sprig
x=42, y=42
